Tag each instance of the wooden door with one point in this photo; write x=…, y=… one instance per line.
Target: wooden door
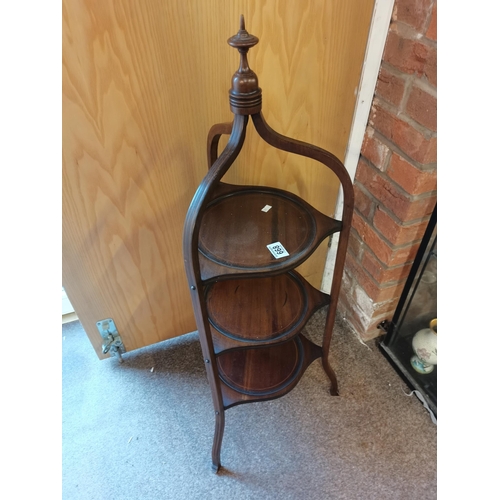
x=142, y=84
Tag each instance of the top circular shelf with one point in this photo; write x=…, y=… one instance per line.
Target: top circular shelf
x=259, y=229
x=249, y=221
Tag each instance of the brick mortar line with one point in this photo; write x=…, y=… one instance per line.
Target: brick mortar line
x=386, y=267
x=382, y=237
x=406, y=96
x=349, y=316
x=387, y=106
x=356, y=235
x=423, y=167
x=366, y=193
x=349, y=310
x=410, y=33
x=420, y=82
x=377, y=202
x=401, y=115
x=410, y=197
x=378, y=136
x=428, y=20
x=380, y=286
x=351, y=253
x=399, y=222
x=403, y=75
x=423, y=84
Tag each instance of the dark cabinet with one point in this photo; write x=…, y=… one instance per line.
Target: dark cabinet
x=411, y=339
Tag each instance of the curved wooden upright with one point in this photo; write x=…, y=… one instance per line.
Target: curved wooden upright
x=251, y=304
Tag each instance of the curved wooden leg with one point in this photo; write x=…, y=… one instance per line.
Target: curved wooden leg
x=219, y=433
x=334, y=388
x=330, y=318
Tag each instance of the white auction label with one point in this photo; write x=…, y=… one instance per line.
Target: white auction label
x=278, y=250
x=267, y=208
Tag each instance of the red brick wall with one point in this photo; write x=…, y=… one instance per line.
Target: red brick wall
x=395, y=182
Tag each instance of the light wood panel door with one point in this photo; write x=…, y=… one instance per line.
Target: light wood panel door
x=142, y=84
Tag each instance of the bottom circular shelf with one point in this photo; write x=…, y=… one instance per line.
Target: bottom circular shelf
x=262, y=373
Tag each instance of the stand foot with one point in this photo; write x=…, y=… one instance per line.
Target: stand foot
x=334, y=388
x=334, y=391
x=219, y=433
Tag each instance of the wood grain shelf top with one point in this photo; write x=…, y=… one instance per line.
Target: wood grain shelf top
x=246, y=312
x=239, y=224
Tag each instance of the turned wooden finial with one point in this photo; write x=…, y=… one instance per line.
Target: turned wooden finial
x=245, y=95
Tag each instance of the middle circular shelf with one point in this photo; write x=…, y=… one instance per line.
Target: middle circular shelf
x=246, y=312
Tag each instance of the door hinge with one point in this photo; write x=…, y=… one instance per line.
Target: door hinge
x=112, y=341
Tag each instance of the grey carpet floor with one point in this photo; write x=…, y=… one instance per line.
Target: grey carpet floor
x=143, y=429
